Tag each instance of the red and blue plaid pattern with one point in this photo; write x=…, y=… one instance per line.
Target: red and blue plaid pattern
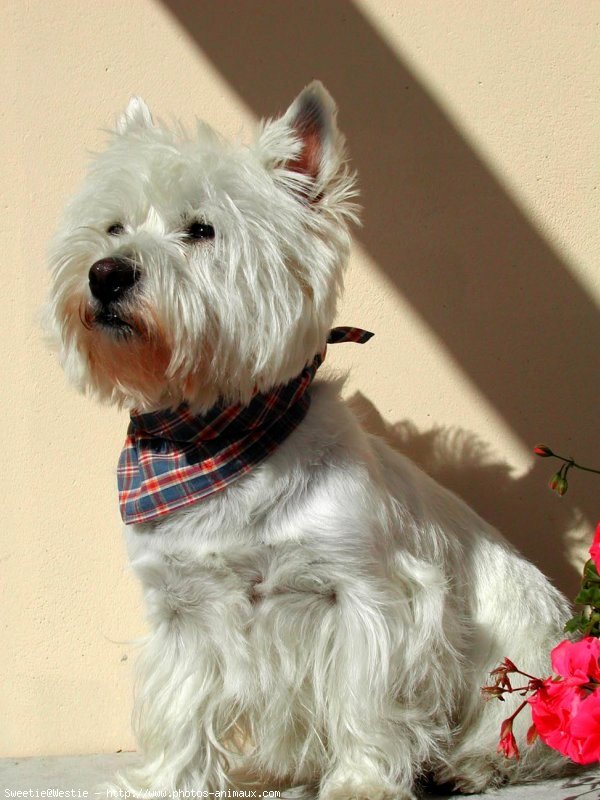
x=173, y=458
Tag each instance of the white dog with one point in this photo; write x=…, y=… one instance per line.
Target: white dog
x=322, y=613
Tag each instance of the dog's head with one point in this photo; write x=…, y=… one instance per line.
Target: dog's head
x=190, y=269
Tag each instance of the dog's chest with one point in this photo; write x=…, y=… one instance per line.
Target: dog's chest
x=244, y=582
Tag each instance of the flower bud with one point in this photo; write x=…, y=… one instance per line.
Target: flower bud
x=555, y=480
x=562, y=486
x=543, y=451
x=492, y=691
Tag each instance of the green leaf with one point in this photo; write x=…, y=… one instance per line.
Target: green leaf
x=589, y=596
x=590, y=573
x=578, y=623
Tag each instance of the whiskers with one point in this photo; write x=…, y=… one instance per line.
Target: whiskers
x=86, y=314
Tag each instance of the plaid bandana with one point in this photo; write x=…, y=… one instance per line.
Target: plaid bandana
x=173, y=458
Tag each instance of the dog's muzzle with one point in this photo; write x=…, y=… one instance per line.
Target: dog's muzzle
x=111, y=278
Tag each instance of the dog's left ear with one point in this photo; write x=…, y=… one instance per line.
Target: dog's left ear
x=136, y=116
x=304, y=146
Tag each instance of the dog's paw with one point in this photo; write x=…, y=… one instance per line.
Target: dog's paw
x=474, y=776
x=353, y=789
x=469, y=786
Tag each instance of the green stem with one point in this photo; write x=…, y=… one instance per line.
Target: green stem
x=573, y=463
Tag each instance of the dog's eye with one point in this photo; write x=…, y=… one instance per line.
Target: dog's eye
x=200, y=230
x=116, y=229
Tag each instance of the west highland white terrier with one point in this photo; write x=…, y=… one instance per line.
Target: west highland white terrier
x=322, y=613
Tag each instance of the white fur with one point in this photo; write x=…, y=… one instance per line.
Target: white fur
x=329, y=619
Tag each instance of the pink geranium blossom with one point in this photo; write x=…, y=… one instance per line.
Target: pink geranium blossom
x=578, y=662
x=552, y=707
x=585, y=729
x=566, y=710
x=565, y=707
x=595, y=549
x=508, y=743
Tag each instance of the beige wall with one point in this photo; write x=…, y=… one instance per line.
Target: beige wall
x=473, y=125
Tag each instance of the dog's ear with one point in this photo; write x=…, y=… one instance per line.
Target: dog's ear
x=304, y=145
x=311, y=117
x=136, y=116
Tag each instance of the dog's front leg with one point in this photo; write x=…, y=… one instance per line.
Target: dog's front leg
x=377, y=738
x=191, y=673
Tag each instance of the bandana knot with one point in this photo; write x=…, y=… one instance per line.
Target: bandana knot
x=173, y=458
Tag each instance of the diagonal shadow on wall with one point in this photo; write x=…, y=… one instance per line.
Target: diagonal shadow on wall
x=436, y=221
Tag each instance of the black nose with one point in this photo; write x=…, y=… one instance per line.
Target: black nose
x=110, y=278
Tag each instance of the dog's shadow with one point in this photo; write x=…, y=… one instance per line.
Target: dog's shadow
x=537, y=522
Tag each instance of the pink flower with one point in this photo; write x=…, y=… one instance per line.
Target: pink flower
x=532, y=734
x=559, y=707
x=595, y=549
x=585, y=729
x=508, y=743
x=552, y=708
x=578, y=662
